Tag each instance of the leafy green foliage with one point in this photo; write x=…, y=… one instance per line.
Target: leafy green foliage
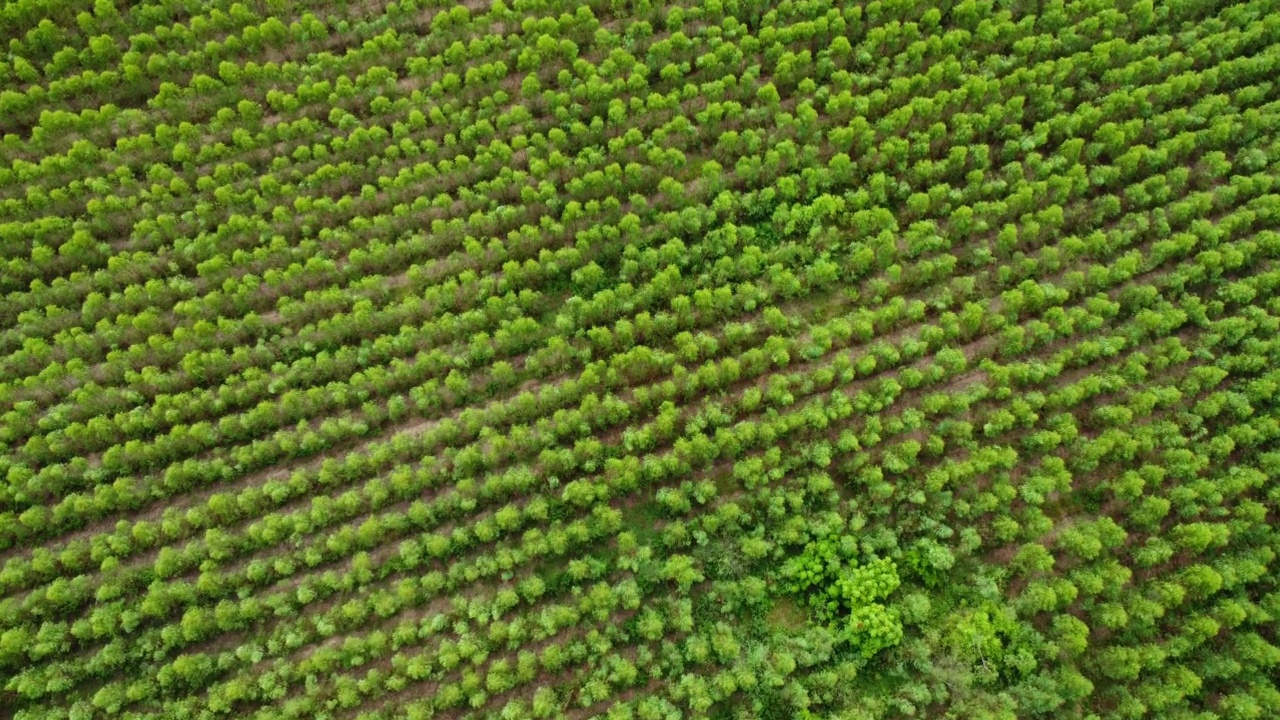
x=730, y=359
x=845, y=593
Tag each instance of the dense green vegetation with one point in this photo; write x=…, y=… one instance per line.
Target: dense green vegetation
x=639, y=360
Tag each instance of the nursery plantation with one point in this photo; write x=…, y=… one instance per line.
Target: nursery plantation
x=639, y=360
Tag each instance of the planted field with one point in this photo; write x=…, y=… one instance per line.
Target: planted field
x=639, y=360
